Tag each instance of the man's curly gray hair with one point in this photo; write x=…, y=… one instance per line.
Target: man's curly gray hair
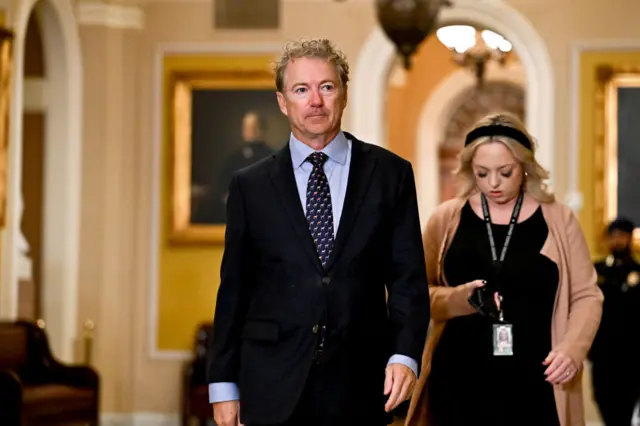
x=320, y=48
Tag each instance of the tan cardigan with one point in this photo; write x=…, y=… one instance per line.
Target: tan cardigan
x=576, y=314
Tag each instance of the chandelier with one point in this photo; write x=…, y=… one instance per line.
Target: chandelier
x=408, y=22
x=473, y=48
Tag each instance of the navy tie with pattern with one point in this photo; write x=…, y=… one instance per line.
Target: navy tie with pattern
x=319, y=209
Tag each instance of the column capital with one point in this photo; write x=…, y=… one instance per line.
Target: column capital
x=122, y=15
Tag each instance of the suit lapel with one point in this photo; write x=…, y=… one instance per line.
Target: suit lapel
x=362, y=165
x=284, y=183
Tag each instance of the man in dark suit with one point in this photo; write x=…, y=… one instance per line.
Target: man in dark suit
x=615, y=353
x=317, y=235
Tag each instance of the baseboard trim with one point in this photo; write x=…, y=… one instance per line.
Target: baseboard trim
x=139, y=419
x=595, y=424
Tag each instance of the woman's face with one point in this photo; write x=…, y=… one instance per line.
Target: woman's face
x=497, y=172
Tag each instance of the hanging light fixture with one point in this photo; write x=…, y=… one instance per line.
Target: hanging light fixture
x=474, y=49
x=408, y=22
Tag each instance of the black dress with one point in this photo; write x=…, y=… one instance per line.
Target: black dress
x=468, y=385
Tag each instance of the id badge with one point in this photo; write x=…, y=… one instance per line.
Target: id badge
x=502, y=340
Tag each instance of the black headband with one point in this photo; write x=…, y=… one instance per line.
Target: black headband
x=498, y=130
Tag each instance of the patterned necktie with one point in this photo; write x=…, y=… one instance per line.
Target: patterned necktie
x=319, y=209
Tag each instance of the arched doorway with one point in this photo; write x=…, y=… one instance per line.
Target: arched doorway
x=62, y=172
x=377, y=56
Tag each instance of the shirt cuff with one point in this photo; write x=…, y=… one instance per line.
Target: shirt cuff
x=222, y=392
x=405, y=360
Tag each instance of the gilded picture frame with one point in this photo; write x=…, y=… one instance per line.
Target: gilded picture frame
x=6, y=58
x=213, y=112
x=609, y=82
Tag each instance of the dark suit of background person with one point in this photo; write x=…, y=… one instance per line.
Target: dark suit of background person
x=276, y=294
x=615, y=353
x=212, y=207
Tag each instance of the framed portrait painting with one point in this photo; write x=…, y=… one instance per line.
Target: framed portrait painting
x=224, y=117
x=618, y=147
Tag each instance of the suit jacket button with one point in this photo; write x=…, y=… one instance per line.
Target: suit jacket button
x=326, y=281
x=315, y=329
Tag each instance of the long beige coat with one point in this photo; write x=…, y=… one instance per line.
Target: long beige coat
x=576, y=314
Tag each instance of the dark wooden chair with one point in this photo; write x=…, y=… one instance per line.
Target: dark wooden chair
x=36, y=389
x=195, y=389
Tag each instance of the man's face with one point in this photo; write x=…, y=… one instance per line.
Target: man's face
x=313, y=99
x=250, y=128
x=618, y=241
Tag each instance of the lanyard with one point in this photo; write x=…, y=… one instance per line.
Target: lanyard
x=512, y=225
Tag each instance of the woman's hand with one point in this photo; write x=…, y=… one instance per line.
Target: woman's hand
x=561, y=369
x=469, y=287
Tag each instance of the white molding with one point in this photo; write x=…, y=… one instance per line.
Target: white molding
x=139, y=419
x=110, y=15
x=435, y=113
x=612, y=44
x=372, y=68
x=574, y=197
x=368, y=90
x=156, y=202
x=35, y=94
x=217, y=48
x=156, y=172
x=63, y=173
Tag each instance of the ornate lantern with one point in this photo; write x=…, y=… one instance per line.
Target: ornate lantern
x=408, y=22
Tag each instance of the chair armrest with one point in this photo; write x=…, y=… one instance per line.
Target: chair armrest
x=10, y=388
x=10, y=397
x=78, y=376
x=188, y=375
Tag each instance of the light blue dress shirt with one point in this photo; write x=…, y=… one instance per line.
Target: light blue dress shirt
x=337, y=170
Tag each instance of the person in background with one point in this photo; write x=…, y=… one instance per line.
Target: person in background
x=317, y=233
x=505, y=257
x=615, y=354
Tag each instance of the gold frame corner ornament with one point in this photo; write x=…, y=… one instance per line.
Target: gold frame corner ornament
x=609, y=80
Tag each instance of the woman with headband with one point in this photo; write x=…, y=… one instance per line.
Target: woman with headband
x=514, y=300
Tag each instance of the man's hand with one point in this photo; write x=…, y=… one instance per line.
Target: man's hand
x=227, y=413
x=398, y=384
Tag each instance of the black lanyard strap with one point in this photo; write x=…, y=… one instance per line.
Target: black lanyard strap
x=512, y=225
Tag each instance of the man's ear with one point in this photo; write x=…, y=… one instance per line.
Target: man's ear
x=282, y=103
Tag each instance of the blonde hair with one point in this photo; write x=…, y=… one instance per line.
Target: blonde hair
x=534, y=174
x=320, y=48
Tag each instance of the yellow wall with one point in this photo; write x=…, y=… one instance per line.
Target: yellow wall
x=589, y=62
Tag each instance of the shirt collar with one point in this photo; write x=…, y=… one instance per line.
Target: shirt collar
x=336, y=150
